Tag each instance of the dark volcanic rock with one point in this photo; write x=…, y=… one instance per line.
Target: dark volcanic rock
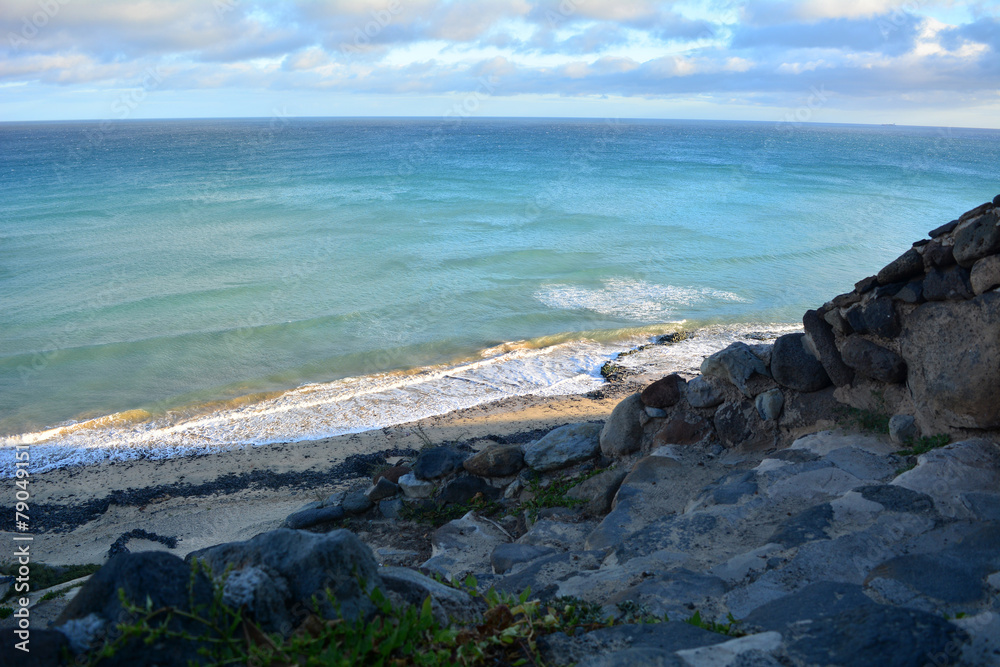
x=977, y=240
x=496, y=461
x=622, y=431
x=392, y=474
x=904, y=267
x=953, y=351
x=866, y=284
x=812, y=603
x=738, y=424
x=437, y=462
x=357, y=502
x=382, y=489
x=821, y=335
x=463, y=489
x=664, y=393
x=736, y=364
x=806, y=526
x=872, y=360
x=912, y=292
x=314, y=517
x=654, y=644
x=897, y=498
x=985, y=274
x=947, y=285
x=507, y=556
x=943, y=229
x=702, y=392
x=793, y=366
x=937, y=253
x=878, y=317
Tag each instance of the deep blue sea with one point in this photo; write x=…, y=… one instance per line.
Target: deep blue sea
x=177, y=286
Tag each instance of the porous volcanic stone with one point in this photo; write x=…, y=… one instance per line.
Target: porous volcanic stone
x=873, y=360
x=943, y=229
x=702, y=393
x=664, y=393
x=496, y=461
x=977, y=239
x=866, y=284
x=313, y=517
x=904, y=267
x=563, y=447
x=902, y=429
x=437, y=462
x=793, y=366
x=738, y=424
x=985, y=274
x=622, y=431
x=940, y=254
x=950, y=284
x=953, y=351
x=821, y=336
x=878, y=317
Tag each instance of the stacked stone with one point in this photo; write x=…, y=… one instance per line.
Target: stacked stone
x=923, y=335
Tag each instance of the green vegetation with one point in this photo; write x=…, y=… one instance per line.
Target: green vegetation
x=872, y=421
x=925, y=444
x=52, y=595
x=554, y=495
x=5, y=612
x=438, y=515
x=47, y=576
x=729, y=628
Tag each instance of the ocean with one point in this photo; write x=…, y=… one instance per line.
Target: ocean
x=181, y=286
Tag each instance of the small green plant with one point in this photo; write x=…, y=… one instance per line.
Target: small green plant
x=635, y=612
x=872, y=421
x=925, y=444
x=730, y=629
x=554, y=495
x=438, y=514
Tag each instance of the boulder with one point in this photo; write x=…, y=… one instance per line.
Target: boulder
x=953, y=352
x=291, y=568
x=463, y=489
x=912, y=292
x=357, y=502
x=735, y=364
x=873, y=360
x=739, y=425
x=939, y=253
x=977, y=239
x=769, y=404
x=902, y=429
x=904, y=267
x=985, y=274
x=161, y=578
x=599, y=491
x=946, y=228
x=308, y=518
x=496, y=461
x=950, y=284
x=820, y=339
x=622, y=432
x=664, y=393
x=447, y=604
x=382, y=489
x=463, y=546
x=416, y=488
x=436, y=462
x=564, y=446
x=702, y=393
x=684, y=429
x=877, y=317
x=392, y=474
x=793, y=366
x=507, y=556
x=866, y=284
x=946, y=474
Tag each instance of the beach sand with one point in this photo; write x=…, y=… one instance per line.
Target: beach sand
x=235, y=495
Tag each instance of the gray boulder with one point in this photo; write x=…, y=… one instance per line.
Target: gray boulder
x=507, y=556
x=873, y=360
x=437, y=462
x=977, y=239
x=953, y=352
x=308, y=518
x=902, y=429
x=904, y=267
x=819, y=336
x=564, y=446
x=622, y=432
x=463, y=546
x=769, y=404
x=877, y=317
x=447, y=604
x=382, y=489
x=702, y=393
x=793, y=366
x=950, y=284
x=985, y=274
x=466, y=487
x=299, y=566
x=736, y=364
x=664, y=393
x=416, y=488
x=947, y=473
x=599, y=491
x=740, y=425
x=496, y=461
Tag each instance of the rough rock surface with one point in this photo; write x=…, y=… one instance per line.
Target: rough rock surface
x=793, y=366
x=563, y=447
x=622, y=431
x=736, y=364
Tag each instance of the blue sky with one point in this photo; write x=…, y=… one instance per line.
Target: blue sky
x=918, y=62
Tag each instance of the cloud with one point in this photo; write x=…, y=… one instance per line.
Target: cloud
x=869, y=35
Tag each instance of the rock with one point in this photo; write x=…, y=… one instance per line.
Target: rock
x=655, y=413
x=820, y=336
x=436, y=462
x=622, y=432
x=463, y=546
x=447, y=604
x=739, y=425
x=461, y=490
x=953, y=352
x=496, y=461
x=810, y=604
x=46, y=646
x=382, y=489
x=912, y=292
x=157, y=576
x=739, y=568
x=805, y=411
x=544, y=576
x=873, y=636
x=299, y=566
x=416, y=488
x=973, y=213
x=985, y=274
x=866, y=284
x=877, y=317
x=904, y=267
x=735, y=364
x=617, y=646
x=564, y=446
x=946, y=228
x=945, y=474
x=769, y=404
x=507, y=556
x=664, y=393
x=977, y=239
x=947, y=285
x=683, y=429
x=314, y=517
x=701, y=393
x=939, y=253
x=902, y=429
x=750, y=651
x=836, y=321
x=732, y=488
x=807, y=526
x=873, y=360
x=391, y=507
x=897, y=498
x=357, y=502
x=844, y=300
x=793, y=366
x=996, y=200
x=671, y=594
x=392, y=474
x=599, y=491
x=825, y=442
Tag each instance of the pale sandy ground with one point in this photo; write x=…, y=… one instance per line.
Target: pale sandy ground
x=201, y=521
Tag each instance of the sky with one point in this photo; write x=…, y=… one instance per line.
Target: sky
x=912, y=62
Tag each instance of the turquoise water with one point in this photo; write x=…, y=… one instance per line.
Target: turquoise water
x=164, y=265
